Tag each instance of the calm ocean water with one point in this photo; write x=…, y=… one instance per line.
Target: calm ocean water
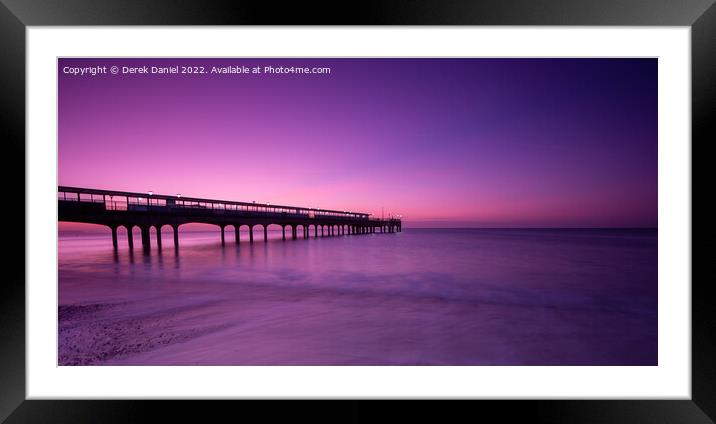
x=420, y=297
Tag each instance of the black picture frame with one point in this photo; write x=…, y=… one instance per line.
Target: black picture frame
x=16, y=15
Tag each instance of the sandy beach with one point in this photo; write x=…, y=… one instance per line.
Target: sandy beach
x=251, y=325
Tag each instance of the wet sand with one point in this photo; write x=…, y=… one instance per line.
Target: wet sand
x=251, y=325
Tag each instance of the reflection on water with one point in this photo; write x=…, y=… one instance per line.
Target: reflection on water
x=447, y=297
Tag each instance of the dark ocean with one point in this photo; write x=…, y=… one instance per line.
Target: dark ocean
x=420, y=297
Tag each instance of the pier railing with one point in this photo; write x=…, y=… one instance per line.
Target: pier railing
x=133, y=201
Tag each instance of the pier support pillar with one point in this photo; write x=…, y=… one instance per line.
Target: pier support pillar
x=115, y=244
x=315, y=229
x=251, y=233
x=159, y=236
x=265, y=233
x=145, y=237
x=305, y=232
x=293, y=233
x=223, y=237
x=175, y=229
x=237, y=231
x=130, y=238
x=283, y=232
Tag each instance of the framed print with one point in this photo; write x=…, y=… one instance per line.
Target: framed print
x=416, y=201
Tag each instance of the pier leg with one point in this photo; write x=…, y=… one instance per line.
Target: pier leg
x=145, y=238
x=175, y=229
x=305, y=232
x=265, y=233
x=315, y=229
x=283, y=233
x=114, y=238
x=159, y=237
x=293, y=233
x=237, y=230
x=223, y=237
x=251, y=234
x=130, y=238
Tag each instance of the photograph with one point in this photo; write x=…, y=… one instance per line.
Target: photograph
x=231, y=202
x=357, y=211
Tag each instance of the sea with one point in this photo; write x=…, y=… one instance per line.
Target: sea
x=431, y=297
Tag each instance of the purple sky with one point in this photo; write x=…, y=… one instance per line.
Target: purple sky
x=443, y=142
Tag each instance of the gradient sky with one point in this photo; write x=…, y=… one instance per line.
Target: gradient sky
x=443, y=142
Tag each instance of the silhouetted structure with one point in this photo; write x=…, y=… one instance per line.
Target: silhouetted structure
x=145, y=210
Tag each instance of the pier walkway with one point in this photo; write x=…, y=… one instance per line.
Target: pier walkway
x=117, y=209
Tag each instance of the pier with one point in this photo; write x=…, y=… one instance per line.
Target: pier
x=117, y=209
